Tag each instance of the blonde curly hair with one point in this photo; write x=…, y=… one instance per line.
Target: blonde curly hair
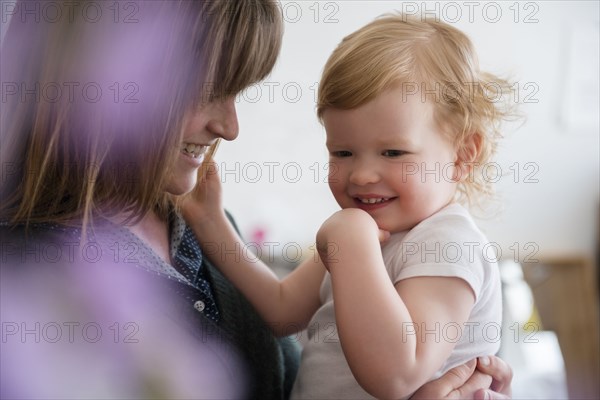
x=430, y=58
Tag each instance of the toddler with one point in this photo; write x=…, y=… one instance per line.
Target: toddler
x=406, y=286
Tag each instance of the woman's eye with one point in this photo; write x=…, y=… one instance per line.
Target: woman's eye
x=341, y=153
x=393, y=153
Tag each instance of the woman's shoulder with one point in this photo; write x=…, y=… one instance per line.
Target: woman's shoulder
x=35, y=239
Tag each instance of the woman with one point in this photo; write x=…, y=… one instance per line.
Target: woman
x=108, y=110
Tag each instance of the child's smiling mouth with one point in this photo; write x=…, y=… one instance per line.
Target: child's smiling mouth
x=372, y=202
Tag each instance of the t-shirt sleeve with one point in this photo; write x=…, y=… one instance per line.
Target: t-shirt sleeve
x=450, y=246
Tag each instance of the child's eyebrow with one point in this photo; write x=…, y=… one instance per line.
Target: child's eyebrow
x=330, y=143
x=395, y=142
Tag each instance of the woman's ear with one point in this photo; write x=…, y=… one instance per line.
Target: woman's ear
x=466, y=156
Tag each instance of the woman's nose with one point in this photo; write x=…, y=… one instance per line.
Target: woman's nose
x=224, y=122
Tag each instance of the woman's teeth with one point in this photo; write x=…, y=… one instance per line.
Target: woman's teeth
x=374, y=200
x=193, y=150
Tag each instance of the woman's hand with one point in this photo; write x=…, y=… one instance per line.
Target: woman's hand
x=348, y=229
x=490, y=381
x=501, y=374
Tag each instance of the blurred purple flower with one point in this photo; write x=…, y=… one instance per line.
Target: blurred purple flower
x=93, y=332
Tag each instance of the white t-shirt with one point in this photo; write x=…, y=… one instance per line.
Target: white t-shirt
x=446, y=244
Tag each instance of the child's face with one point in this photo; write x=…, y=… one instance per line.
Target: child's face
x=389, y=158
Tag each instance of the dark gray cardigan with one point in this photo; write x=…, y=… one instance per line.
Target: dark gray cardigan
x=271, y=363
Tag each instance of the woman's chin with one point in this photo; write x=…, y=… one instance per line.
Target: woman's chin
x=181, y=185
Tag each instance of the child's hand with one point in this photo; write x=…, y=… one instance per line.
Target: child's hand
x=204, y=202
x=350, y=228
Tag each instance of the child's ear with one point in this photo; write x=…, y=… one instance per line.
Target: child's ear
x=466, y=155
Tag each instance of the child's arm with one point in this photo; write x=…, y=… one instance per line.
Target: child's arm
x=375, y=319
x=285, y=306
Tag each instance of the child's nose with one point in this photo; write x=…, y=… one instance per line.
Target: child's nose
x=364, y=173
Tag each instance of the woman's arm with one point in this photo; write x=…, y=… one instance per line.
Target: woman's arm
x=390, y=334
x=286, y=306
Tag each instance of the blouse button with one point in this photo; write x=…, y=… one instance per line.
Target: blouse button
x=199, y=305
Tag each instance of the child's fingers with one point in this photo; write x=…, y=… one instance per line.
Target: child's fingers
x=208, y=176
x=383, y=235
x=208, y=165
x=208, y=168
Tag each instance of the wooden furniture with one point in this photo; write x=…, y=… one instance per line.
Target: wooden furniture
x=565, y=291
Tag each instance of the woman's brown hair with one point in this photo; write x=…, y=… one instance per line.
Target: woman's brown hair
x=92, y=106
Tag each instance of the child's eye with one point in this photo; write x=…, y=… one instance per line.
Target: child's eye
x=393, y=153
x=341, y=153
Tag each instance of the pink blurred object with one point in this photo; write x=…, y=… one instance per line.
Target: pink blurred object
x=258, y=235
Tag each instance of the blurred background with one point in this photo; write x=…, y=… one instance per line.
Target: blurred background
x=546, y=218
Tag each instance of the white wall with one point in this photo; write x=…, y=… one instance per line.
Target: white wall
x=549, y=47
x=558, y=214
